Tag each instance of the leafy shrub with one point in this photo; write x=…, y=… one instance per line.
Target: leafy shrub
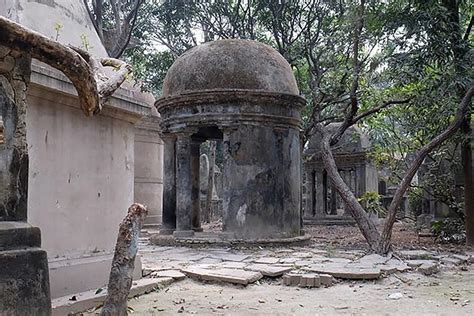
x=449, y=230
x=372, y=203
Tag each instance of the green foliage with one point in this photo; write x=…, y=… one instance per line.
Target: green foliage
x=372, y=203
x=408, y=50
x=449, y=230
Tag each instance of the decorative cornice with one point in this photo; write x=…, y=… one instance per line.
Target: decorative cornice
x=230, y=96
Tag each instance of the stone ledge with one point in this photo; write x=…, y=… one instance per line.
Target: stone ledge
x=217, y=240
x=88, y=300
x=125, y=103
x=14, y=235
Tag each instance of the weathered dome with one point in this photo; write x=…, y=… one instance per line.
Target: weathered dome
x=230, y=65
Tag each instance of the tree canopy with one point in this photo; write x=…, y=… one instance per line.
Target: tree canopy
x=397, y=68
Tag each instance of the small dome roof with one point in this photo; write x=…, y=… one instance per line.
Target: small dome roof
x=231, y=64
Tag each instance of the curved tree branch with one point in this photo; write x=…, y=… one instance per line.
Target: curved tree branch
x=79, y=66
x=463, y=108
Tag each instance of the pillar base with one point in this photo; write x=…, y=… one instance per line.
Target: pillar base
x=24, y=274
x=183, y=233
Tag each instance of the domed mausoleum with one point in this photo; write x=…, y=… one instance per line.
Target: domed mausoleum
x=244, y=93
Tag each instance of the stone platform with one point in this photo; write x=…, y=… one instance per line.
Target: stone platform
x=202, y=239
x=329, y=220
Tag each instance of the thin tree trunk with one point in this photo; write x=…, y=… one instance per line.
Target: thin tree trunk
x=468, y=173
x=120, y=280
x=420, y=157
x=210, y=180
x=366, y=225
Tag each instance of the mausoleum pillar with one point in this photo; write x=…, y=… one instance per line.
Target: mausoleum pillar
x=184, y=186
x=310, y=193
x=169, y=188
x=319, y=193
x=196, y=208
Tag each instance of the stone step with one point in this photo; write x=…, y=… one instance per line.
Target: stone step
x=235, y=276
x=84, y=301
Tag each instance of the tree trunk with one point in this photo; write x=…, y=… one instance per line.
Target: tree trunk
x=468, y=173
x=366, y=225
x=120, y=279
x=460, y=47
x=464, y=106
x=210, y=180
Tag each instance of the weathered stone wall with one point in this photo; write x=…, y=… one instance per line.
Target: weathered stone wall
x=81, y=179
x=264, y=174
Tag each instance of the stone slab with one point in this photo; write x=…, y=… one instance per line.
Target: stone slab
x=267, y=260
x=81, y=302
x=428, y=268
x=417, y=263
x=451, y=261
x=373, y=259
x=310, y=280
x=175, y=274
x=268, y=270
x=232, y=265
x=302, y=254
x=326, y=279
x=463, y=258
x=291, y=279
x=229, y=256
x=344, y=272
x=416, y=254
x=393, y=265
x=235, y=276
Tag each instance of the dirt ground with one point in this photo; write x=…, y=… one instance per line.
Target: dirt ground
x=404, y=236
x=450, y=293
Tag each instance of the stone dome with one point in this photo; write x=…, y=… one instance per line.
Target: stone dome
x=231, y=64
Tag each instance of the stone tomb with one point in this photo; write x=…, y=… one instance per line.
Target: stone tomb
x=323, y=205
x=243, y=93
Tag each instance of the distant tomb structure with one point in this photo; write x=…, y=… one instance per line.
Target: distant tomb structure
x=243, y=93
x=322, y=203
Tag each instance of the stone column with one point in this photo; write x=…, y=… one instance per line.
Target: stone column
x=184, y=186
x=148, y=169
x=309, y=209
x=348, y=179
x=320, y=199
x=195, y=170
x=169, y=188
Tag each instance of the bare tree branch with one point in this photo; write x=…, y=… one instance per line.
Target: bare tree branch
x=78, y=66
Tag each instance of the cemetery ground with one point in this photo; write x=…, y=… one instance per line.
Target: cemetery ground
x=420, y=277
